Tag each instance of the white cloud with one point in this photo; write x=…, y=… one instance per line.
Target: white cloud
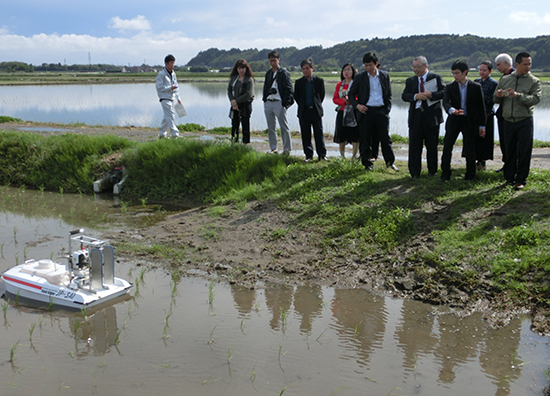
x=532, y=18
x=138, y=23
x=3, y=30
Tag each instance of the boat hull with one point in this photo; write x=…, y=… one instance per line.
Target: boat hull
x=37, y=288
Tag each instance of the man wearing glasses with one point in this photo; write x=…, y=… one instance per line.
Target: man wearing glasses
x=424, y=92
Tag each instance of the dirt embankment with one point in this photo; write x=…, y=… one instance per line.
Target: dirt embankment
x=263, y=244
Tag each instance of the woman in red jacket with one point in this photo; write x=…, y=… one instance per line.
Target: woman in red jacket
x=346, y=130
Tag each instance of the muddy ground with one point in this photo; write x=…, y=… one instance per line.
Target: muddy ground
x=242, y=247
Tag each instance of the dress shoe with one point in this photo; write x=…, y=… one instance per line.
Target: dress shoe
x=393, y=167
x=369, y=168
x=500, y=170
x=443, y=179
x=286, y=153
x=519, y=186
x=432, y=174
x=325, y=159
x=273, y=152
x=308, y=159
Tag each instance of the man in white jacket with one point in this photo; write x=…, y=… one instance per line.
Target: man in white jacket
x=168, y=92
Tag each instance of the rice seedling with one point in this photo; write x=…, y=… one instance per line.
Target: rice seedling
x=124, y=206
x=2, y=250
x=25, y=253
x=212, y=339
x=242, y=322
x=284, y=315
x=210, y=292
x=84, y=311
x=209, y=380
x=253, y=375
x=175, y=274
x=17, y=297
x=395, y=394
x=371, y=379
x=62, y=386
x=229, y=356
x=12, y=351
x=117, y=338
x=17, y=258
x=5, y=305
x=279, y=357
x=320, y=335
x=71, y=354
x=357, y=328
x=142, y=273
x=501, y=382
x=166, y=326
x=15, y=234
x=31, y=330
x=335, y=391
x=143, y=201
x=50, y=305
x=77, y=324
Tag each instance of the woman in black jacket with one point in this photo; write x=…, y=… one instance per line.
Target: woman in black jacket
x=241, y=94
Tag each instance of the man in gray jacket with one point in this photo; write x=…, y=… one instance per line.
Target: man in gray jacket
x=518, y=92
x=168, y=92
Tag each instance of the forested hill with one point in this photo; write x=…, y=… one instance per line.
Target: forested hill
x=394, y=54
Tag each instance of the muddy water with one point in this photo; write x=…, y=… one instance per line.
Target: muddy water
x=306, y=340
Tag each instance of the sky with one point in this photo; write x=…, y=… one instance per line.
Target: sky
x=144, y=31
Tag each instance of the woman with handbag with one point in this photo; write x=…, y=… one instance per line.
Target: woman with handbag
x=241, y=94
x=346, y=130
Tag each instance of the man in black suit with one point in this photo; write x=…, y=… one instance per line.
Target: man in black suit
x=464, y=103
x=370, y=95
x=425, y=115
x=309, y=93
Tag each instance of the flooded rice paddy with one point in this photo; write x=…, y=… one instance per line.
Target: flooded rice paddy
x=195, y=336
x=206, y=104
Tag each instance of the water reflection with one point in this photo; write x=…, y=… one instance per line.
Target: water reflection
x=206, y=104
x=310, y=338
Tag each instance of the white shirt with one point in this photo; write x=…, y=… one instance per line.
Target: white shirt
x=376, y=99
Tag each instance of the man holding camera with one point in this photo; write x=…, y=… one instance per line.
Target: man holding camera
x=518, y=92
x=277, y=97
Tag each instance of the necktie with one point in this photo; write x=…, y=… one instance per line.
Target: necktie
x=421, y=84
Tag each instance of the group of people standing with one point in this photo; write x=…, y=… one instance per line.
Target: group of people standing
x=364, y=103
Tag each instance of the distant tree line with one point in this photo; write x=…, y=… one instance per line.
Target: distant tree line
x=395, y=54
x=13, y=67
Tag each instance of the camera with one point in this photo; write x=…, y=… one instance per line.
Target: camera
x=503, y=93
x=343, y=93
x=273, y=91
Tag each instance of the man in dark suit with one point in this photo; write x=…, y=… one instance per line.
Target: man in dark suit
x=277, y=97
x=464, y=103
x=370, y=95
x=309, y=93
x=425, y=115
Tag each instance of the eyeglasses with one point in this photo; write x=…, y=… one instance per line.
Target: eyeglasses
x=418, y=67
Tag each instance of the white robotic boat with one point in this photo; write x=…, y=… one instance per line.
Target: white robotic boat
x=87, y=280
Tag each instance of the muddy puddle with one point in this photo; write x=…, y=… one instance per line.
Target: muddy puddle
x=191, y=336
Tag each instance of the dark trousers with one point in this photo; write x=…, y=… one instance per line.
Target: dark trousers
x=237, y=117
x=501, y=136
x=375, y=121
x=468, y=150
x=519, y=146
x=420, y=134
x=310, y=119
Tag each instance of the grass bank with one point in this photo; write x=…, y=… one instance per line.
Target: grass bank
x=456, y=242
